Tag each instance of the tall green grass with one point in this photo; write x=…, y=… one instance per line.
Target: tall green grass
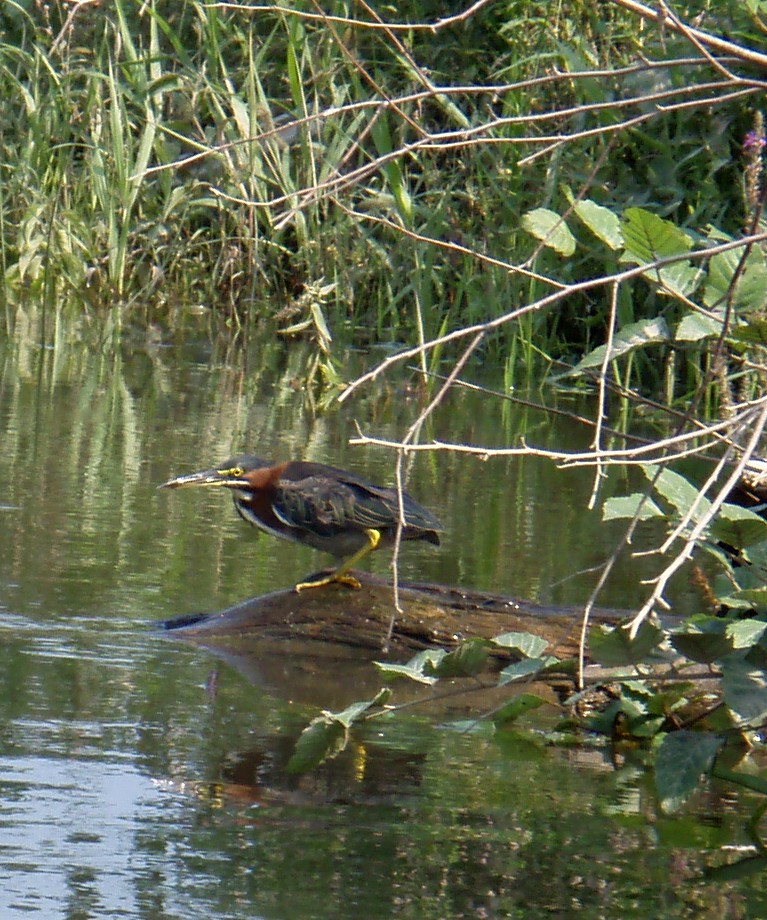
x=157, y=157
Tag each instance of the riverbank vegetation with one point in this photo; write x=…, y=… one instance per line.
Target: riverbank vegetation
x=427, y=173
x=573, y=191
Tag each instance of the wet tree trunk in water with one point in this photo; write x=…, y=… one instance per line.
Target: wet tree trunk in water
x=433, y=616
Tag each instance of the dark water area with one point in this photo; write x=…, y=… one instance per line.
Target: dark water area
x=145, y=777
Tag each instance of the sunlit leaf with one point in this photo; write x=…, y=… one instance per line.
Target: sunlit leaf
x=548, y=227
x=625, y=506
x=391, y=671
x=421, y=667
x=750, y=285
x=648, y=237
x=738, y=526
x=677, y=491
x=602, y=222
x=613, y=646
x=695, y=326
x=745, y=633
x=681, y=759
x=527, y=667
x=523, y=643
x=751, y=599
x=635, y=335
x=745, y=689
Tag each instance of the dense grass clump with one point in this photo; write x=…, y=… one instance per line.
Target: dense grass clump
x=161, y=158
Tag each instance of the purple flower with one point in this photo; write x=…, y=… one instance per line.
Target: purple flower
x=753, y=141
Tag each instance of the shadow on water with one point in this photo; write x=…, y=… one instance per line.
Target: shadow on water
x=145, y=777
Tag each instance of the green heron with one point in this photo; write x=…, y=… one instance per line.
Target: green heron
x=317, y=505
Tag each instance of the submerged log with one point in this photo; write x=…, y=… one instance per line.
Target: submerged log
x=432, y=616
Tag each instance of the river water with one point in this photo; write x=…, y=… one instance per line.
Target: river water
x=144, y=777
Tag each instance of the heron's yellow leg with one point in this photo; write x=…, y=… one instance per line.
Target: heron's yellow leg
x=374, y=538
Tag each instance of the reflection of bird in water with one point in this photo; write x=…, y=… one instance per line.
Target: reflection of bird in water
x=319, y=506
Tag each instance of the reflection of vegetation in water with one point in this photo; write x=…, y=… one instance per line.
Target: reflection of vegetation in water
x=88, y=434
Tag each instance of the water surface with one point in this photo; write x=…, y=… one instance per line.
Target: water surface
x=143, y=777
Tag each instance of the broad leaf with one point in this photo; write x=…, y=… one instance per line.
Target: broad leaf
x=625, y=506
x=745, y=633
x=467, y=660
x=703, y=639
x=324, y=737
x=695, y=327
x=677, y=490
x=751, y=599
x=648, y=237
x=745, y=689
x=548, y=227
x=614, y=647
x=420, y=668
x=328, y=734
x=635, y=335
x=527, y=667
x=602, y=222
x=681, y=759
x=738, y=526
x=751, y=283
x=516, y=707
x=391, y=671
x=347, y=717
x=523, y=643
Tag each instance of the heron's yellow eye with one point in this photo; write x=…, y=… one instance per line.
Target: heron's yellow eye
x=235, y=471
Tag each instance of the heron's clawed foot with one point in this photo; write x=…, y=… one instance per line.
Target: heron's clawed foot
x=340, y=578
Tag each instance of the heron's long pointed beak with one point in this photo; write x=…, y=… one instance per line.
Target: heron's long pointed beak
x=205, y=478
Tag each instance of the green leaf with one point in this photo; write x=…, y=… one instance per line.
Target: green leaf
x=602, y=222
x=523, y=643
x=745, y=689
x=324, y=737
x=703, y=639
x=695, y=327
x=347, y=717
x=420, y=668
x=548, y=227
x=527, y=667
x=745, y=633
x=751, y=284
x=677, y=491
x=648, y=237
x=614, y=647
x=391, y=671
x=328, y=734
x=466, y=661
x=516, y=707
x=751, y=599
x=752, y=333
x=738, y=526
x=635, y=335
x=681, y=759
x=625, y=506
